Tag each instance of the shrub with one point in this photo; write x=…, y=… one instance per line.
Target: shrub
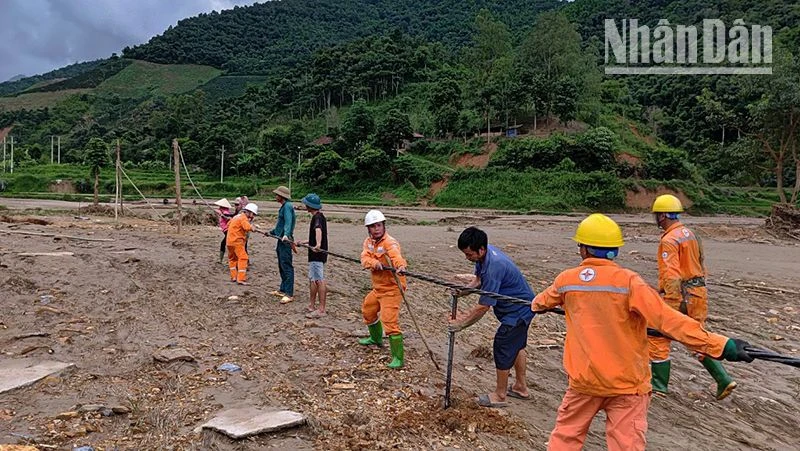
x=664, y=163
x=418, y=172
x=543, y=190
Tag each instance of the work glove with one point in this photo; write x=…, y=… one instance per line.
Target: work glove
x=734, y=351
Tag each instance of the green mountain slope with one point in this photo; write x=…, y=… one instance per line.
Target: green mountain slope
x=17, y=86
x=414, y=88
x=142, y=79
x=269, y=37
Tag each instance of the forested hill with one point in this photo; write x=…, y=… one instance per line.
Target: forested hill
x=267, y=37
x=353, y=97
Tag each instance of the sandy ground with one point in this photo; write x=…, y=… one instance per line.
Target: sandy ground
x=114, y=303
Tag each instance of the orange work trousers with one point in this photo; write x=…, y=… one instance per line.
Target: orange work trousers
x=626, y=421
x=696, y=308
x=387, y=305
x=237, y=262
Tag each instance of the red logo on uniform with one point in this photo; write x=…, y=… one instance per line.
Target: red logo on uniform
x=587, y=274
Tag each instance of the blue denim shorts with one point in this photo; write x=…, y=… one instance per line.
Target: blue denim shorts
x=316, y=271
x=508, y=341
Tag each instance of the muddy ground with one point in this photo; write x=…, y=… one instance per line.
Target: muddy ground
x=113, y=304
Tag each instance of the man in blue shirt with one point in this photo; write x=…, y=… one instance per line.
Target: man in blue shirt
x=284, y=230
x=495, y=272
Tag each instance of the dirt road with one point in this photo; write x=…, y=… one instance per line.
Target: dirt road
x=113, y=304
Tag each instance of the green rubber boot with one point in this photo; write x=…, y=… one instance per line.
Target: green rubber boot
x=398, y=353
x=375, y=335
x=660, y=378
x=725, y=384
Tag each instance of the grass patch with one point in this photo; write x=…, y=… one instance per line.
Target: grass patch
x=533, y=190
x=142, y=79
x=37, y=100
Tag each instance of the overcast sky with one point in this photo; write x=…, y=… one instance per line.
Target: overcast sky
x=37, y=36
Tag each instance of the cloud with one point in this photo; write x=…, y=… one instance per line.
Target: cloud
x=41, y=35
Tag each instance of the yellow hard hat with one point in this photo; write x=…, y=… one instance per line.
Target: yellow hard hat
x=599, y=231
x=667, y=203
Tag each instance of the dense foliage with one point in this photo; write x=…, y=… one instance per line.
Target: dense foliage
x=363, y=95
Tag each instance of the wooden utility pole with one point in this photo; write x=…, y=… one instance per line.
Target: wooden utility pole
x=177, y=164
x=118, y=191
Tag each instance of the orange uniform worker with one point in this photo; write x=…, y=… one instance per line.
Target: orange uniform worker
x=682, y=284
x=385, y=297
x=238, y=228
x=607, y=310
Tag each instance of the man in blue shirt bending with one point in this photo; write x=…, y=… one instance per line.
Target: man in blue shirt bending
x=495, y=272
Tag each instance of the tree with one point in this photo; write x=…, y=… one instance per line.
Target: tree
x=445, y=103
x=488, y=57
x=357, y=126
x=469, y=121
x=96, y=156
x=553, y=69
x=392, y=130
x=774, y=119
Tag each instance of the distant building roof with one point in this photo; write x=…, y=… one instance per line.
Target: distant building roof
x=322, y=141
x=418, y=135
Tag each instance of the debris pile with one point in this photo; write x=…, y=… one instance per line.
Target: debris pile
x=784, y=221
x=197, y=216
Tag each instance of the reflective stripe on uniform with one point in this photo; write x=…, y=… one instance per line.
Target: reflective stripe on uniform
x=595, y=288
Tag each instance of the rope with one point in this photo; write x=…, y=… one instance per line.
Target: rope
x=180, y=152
x=411, y=313
x=756, y=353
x=140, y=193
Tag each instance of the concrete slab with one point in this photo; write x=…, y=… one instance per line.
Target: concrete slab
x=244, y=422
x=18, y=373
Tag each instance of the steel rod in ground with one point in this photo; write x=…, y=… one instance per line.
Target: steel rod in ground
x=450, y=348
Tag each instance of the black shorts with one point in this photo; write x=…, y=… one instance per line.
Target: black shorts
x=508, y=341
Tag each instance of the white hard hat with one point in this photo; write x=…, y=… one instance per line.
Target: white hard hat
x=373, y=216
x=252, y=208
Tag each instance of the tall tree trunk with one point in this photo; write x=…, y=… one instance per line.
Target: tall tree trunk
x=96, y=186
x=796, y=181
x=779, y=180
x=796, y=158
x=488, y=128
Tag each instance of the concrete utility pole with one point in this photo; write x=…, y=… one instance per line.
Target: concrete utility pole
x=177, y=165
x=221, y=164
x=4, y=154
x=59, y=150
x=12, y=154
x=52, y=147
x=118, y=187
